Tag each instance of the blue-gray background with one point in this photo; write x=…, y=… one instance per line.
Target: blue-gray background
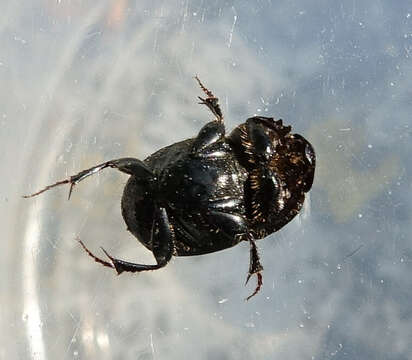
x=86, y=81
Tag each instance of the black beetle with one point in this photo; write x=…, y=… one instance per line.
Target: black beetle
x=210, y=192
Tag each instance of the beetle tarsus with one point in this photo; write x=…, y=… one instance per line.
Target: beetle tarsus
x=96, y=258
x=66, y=181
x=212, y=102
x=255, y=267
x=204, y=88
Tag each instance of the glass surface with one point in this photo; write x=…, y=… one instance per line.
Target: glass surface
x=87, y=81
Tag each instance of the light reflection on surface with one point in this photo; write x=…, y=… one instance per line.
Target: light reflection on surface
x=31, y=309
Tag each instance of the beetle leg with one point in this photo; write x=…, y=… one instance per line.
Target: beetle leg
x=162, y=247
x=129, y=166
x=255, y=266
x=96, y=258
x=262, y=145
x=212, y=102
x=208, y=135
x=212, y=131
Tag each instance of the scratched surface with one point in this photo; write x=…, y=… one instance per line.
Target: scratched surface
x=84, y=82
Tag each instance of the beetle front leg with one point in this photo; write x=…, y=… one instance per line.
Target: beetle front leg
x=129, y=166
x=212, y=102
x=212, y=131
x=255, y=267
x=162, y=247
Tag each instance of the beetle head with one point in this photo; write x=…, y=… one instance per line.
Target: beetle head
x=262, y=143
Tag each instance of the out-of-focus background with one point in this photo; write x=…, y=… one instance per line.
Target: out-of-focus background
x=87, y=81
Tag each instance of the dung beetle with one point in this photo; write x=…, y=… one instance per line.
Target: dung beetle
x=210, y=192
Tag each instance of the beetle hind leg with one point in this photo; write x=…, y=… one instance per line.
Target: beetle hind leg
x=163, y=246
x=126, y=266
x=120, y=265
x=129, y=166
x=255, y=267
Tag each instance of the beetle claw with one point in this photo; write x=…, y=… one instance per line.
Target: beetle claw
x=258, y=286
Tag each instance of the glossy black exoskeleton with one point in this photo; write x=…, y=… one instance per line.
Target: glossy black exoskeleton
x=210, y=192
